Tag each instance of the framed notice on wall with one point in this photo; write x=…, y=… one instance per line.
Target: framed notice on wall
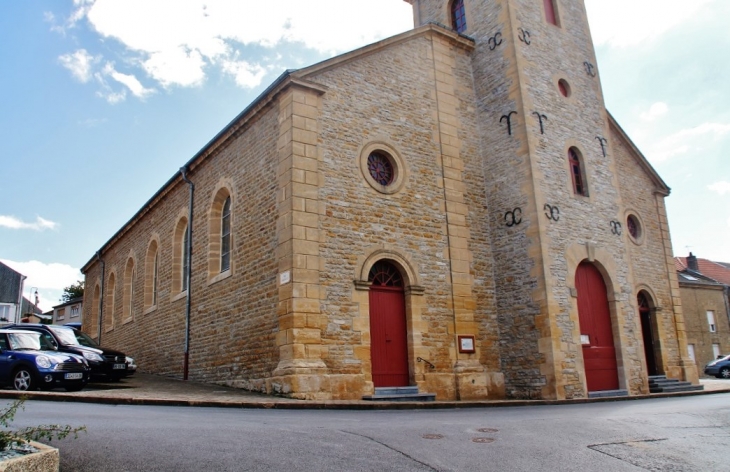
x=466, y=343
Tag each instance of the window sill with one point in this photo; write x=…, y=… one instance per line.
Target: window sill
x=128, y=320
x=219, y=277
x=108, y=330
x=149, y=310
x=179, y=296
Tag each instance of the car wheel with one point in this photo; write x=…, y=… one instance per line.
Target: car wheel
x=724, y=373
x=23, y=380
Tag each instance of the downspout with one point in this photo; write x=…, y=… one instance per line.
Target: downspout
x=101, y=297
x=189, y=249
x=19, y=308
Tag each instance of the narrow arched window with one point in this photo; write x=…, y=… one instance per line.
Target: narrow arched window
x=128, y=292
x=550, y=14
x=577, y=173
x=109, y=308
x=226, y=236
x=150, y=275
x=458, y=16
x=185, y=258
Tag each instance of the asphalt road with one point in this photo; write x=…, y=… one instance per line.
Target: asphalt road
x=670, y=434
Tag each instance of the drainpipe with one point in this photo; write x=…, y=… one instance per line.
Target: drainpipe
x=189, y=249
x=101, y=297
x=16, y=315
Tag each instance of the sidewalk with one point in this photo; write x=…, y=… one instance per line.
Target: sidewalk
x=146, y=389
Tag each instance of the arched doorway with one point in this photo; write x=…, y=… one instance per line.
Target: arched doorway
x=388, y=332
x=599, y=353
x=647, y=332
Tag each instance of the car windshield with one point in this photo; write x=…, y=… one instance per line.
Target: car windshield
x=21, y=341
x=66, y=335
x=84, y=339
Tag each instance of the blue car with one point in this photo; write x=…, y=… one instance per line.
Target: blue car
x=25, y=366
x=720, y=367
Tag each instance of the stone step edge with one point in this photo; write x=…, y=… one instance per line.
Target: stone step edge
x=423, y=397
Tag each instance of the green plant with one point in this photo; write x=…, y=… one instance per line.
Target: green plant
x=10, y=438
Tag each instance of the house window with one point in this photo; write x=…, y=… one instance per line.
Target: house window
x=691, y=352
x=128, y=296
x=711, y=321
x=458, y=16
x=226, y=236
x=61, y=314
x=550, y=14
x=716, y=351
x=75, y=311
x=151, y=266
x=5, y=312
x=577, y=172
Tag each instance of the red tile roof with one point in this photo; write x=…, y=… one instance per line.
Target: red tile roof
x=715, y=270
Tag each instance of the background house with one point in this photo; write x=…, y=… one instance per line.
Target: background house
x=704, y=287
x=11, y=289
x=68, y=312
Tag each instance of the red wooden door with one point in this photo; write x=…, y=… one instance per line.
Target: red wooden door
x=599, y=354
x=388, y=332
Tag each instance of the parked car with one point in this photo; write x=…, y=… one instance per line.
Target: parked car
x=25, y=366
x=720, y=367
x=105, y=363
x=74, y=324
x=85, y=340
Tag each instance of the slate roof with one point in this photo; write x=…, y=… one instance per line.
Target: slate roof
x=9, y=284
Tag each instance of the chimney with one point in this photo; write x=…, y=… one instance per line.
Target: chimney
x=692, y=263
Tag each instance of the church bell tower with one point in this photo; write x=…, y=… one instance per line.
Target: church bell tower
x=552, y=186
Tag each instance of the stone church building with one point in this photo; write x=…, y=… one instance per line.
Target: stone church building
x=451, y=208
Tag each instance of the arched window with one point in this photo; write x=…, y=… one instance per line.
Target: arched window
x=226, y=236
x=385, y=274
x=220, y=236
x=109, y=306
x=458, y=16
x=93, y=322
x=151, y=268
x=577, y=172
x=128, y=292
x=550, y=13
x=180, y=257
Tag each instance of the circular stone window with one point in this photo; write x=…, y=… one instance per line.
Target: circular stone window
x=564, y=88
x=634, y=228
x=382, y=167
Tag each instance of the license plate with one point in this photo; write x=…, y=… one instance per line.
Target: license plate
x=74, y=376
x=119, y=366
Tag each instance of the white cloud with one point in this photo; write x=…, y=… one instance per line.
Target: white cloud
x=40, y=224
x=628, y=22
x=720, y=187
x=655, y=111
x=246, y=74
x=49, y=279
x=176, y=42
x=79, y=63
x=176, y=66
x=687, y=140
x=130, y=81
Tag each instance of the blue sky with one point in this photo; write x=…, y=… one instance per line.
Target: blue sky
x=102, y=101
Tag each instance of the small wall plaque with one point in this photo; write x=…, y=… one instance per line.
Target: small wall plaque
x=466, y=343
x=284, y=278
x=585, y=339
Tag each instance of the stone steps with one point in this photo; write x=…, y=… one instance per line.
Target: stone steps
x=400, y=394
x=608, y=393
x=661, y=384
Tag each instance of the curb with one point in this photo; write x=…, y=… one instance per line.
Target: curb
x=335, y=404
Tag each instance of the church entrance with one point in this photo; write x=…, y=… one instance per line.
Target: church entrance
x=599, y=353
x=388, y=332
x=647, y=333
